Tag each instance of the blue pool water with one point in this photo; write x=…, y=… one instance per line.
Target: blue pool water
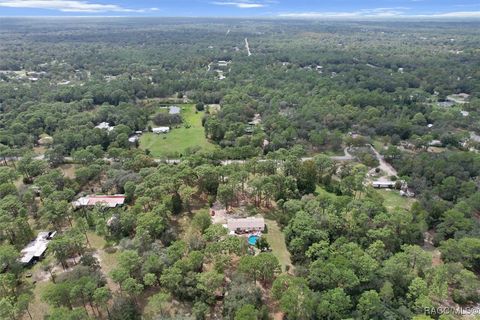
x=252, y=240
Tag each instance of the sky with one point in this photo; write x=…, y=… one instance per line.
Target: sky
x=308, y=9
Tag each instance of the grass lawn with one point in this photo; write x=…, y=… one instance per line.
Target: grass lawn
x=327, y=152
x=38, y=308
x=276, y=239
x=108, y=260
x=393, y=199
x=178, y=140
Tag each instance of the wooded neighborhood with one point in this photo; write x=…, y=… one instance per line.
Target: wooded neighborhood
x=239, y=169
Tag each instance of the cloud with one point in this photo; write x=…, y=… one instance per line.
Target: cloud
x=376, y=12
x=68, y=6
x=458, y=14
x=240, y=4
x=397, y=12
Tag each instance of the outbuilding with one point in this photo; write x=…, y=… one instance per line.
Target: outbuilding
x=159, y=130
x=383, y=184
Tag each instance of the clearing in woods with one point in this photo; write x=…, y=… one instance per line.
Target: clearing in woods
x=276, y=239
x=190, y=134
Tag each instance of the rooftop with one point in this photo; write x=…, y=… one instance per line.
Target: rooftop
x=246, y=223
x=161, y=130
x=174, y=110
x=37, y=247
x=107, y=201
x=383, y=183
x=105, y=126
x=133, y=138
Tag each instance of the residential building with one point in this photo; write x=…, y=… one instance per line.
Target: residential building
x=103, y=200
x=35, y=250
x=250, y=224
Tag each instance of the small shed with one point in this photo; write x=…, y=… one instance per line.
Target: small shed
x=174, y=110
x=159, y=130
x=383, y=184
x=133, y=139
x=435, y=143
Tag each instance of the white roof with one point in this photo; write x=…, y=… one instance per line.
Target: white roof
x=107, y=201
x=104, y=125
x=161, y=130
x=174, y=110
x=36, y=248
x=133, y=138
x=383, y=183
x=246, y=223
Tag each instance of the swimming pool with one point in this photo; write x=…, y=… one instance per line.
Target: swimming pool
x=252, y=240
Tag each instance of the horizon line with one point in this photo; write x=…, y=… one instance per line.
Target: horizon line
x=269, y=17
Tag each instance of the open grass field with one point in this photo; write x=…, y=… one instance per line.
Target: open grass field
x=178, y=140
x=108, y=260
x=276, y=239
x=393, y=199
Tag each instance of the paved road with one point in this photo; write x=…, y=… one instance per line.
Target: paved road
x=346, y=157
x=248, y=47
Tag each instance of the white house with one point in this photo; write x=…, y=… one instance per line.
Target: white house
x=161, y=130
x=35, y=250
x=106, y=201
x=104, y=126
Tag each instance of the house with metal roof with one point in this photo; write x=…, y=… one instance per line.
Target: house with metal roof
x=35, y=250
x=250, y=224
x=103, y=200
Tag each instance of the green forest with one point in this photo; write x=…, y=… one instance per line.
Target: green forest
x=154, y=169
